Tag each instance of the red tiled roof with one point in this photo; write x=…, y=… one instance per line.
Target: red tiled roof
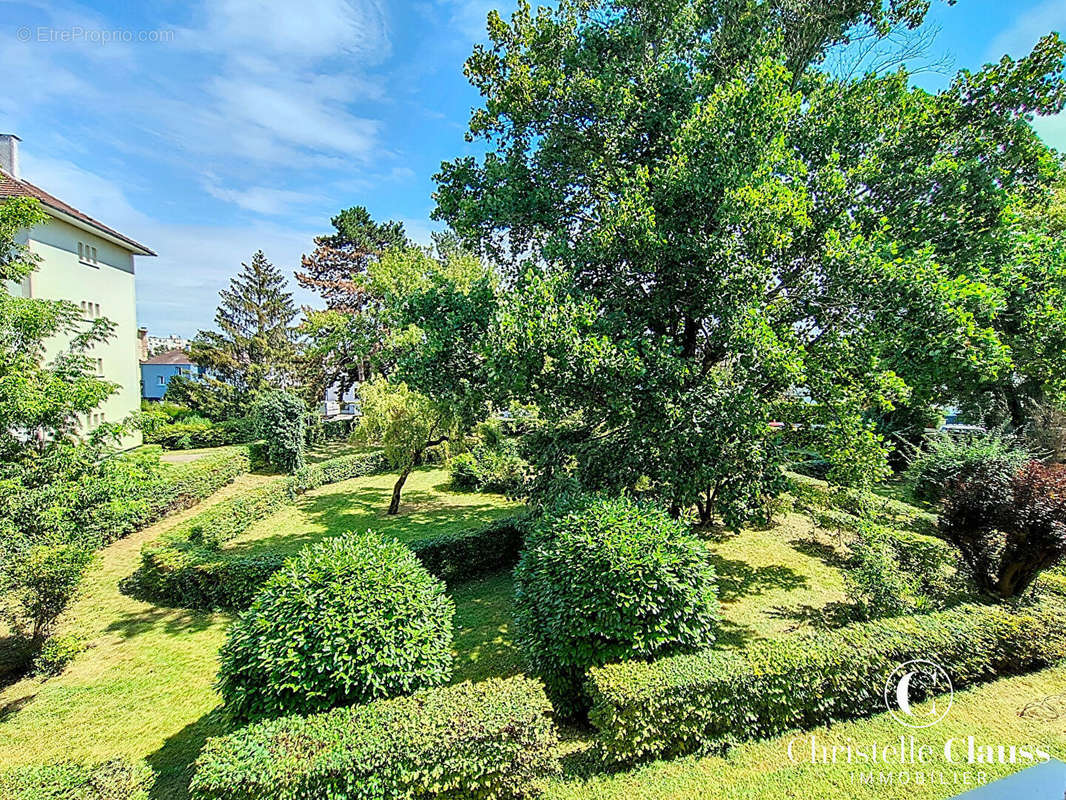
x=11, y=186
x=175, y=356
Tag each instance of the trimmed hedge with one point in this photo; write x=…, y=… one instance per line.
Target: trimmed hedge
x=184, y=436
x=335, y=470
x=112, y=780
x=460, y=556
x=475, y=740
x=188, y=568
x=701, y=702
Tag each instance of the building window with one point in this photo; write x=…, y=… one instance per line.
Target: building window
x=162, y=380
x=87, y=253
x=99, y=368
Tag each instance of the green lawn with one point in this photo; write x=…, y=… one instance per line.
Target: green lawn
x=428, y=506
x=144, y=688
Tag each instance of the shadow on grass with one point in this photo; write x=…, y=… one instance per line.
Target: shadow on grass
x=423, y=512
x=826, y=553
x=484, y=629
x=171, y=620
x=739, y=578
x=173, y=762
x=832, y=615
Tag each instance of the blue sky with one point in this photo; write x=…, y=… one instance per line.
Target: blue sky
x=245, y=124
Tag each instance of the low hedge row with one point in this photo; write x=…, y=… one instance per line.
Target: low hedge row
x=112, y=780
x=186, y=574
x=837, y=507
x=475, y=740
x=335, y=470
x=460, y=556
x=184, y=436
x=701, y=702
x=178, y=487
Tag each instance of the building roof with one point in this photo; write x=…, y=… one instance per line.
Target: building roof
x=10, y=186
x=175, y=356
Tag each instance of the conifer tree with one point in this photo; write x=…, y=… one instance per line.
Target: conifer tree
x=254, y=346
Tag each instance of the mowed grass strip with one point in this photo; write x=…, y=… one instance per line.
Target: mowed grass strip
x=429, y=507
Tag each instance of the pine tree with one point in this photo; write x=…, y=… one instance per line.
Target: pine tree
x=254, y=346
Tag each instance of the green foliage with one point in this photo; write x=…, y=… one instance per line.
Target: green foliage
x=117, y=779
x=351, y=619
x=191, y=434
x=405, y=424
x=947, y=460
x=485, y=741
x=185, y=568
x=702, y=702
x=1008, y=528
x=253, y=348
x=57, y=652
x=606, y=580
x=45, y=578
x=878, y=584
x=489, y=468
x=461, y=556
x=280, y=420
x=729, y=222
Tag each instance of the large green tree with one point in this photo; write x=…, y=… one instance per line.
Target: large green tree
x=254, y=345
x=344, y=340
x=696, y=221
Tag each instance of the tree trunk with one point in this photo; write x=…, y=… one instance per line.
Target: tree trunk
x=394, y=506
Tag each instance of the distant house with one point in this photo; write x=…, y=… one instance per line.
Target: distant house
x=157, y=371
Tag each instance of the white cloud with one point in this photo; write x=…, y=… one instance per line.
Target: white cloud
x=260, y=199
x=1018, y=39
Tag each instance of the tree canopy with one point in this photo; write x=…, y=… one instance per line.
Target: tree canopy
x=700, y=228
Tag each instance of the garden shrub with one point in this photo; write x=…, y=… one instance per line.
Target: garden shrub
x=1008, y=528
x=46, y=576
x=486, y=469
x=230, y=518
x=280, y=418
x=192, y=434
x=485, y=741
x=845, y=509
x=183, y=574
x=702, y=702
x=335, y=470
x=57, y=652
x=350, y=619
x=186, y=567
x=117, y=779
x=606, y=580
x=948, y=460
x=877, y=584
x=462, y=555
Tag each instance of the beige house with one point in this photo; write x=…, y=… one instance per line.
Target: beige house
x=91, y=265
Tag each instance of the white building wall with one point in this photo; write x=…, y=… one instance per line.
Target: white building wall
x=109, y=284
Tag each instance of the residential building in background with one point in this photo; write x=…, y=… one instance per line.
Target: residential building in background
x=157, y=371
x=160, y=344
x=91, y=265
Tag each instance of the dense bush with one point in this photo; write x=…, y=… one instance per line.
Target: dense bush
x=847, y=509
x=701, y=702
x=489, y=468
x=877, y=584
x=45, y=578
x=609, y=579
x=57, y=652
x=193, y=433
x=112, y=780
x=335, y=470
x=948, y=460
x=280, y=420
x=462, y=555
x=351, y=619
x=485, y=741
x=231, y=518
x=1008, y=528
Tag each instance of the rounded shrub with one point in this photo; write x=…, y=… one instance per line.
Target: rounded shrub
x=947, y=461
x=604, y=580
x=349, y=620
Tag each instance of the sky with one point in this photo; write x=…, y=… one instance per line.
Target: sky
x=207, y=130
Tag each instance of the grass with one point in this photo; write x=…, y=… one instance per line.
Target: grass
x=990, y=713
x=144, y=688
x=428, y=506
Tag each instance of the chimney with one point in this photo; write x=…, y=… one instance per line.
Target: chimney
x=9, y=154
